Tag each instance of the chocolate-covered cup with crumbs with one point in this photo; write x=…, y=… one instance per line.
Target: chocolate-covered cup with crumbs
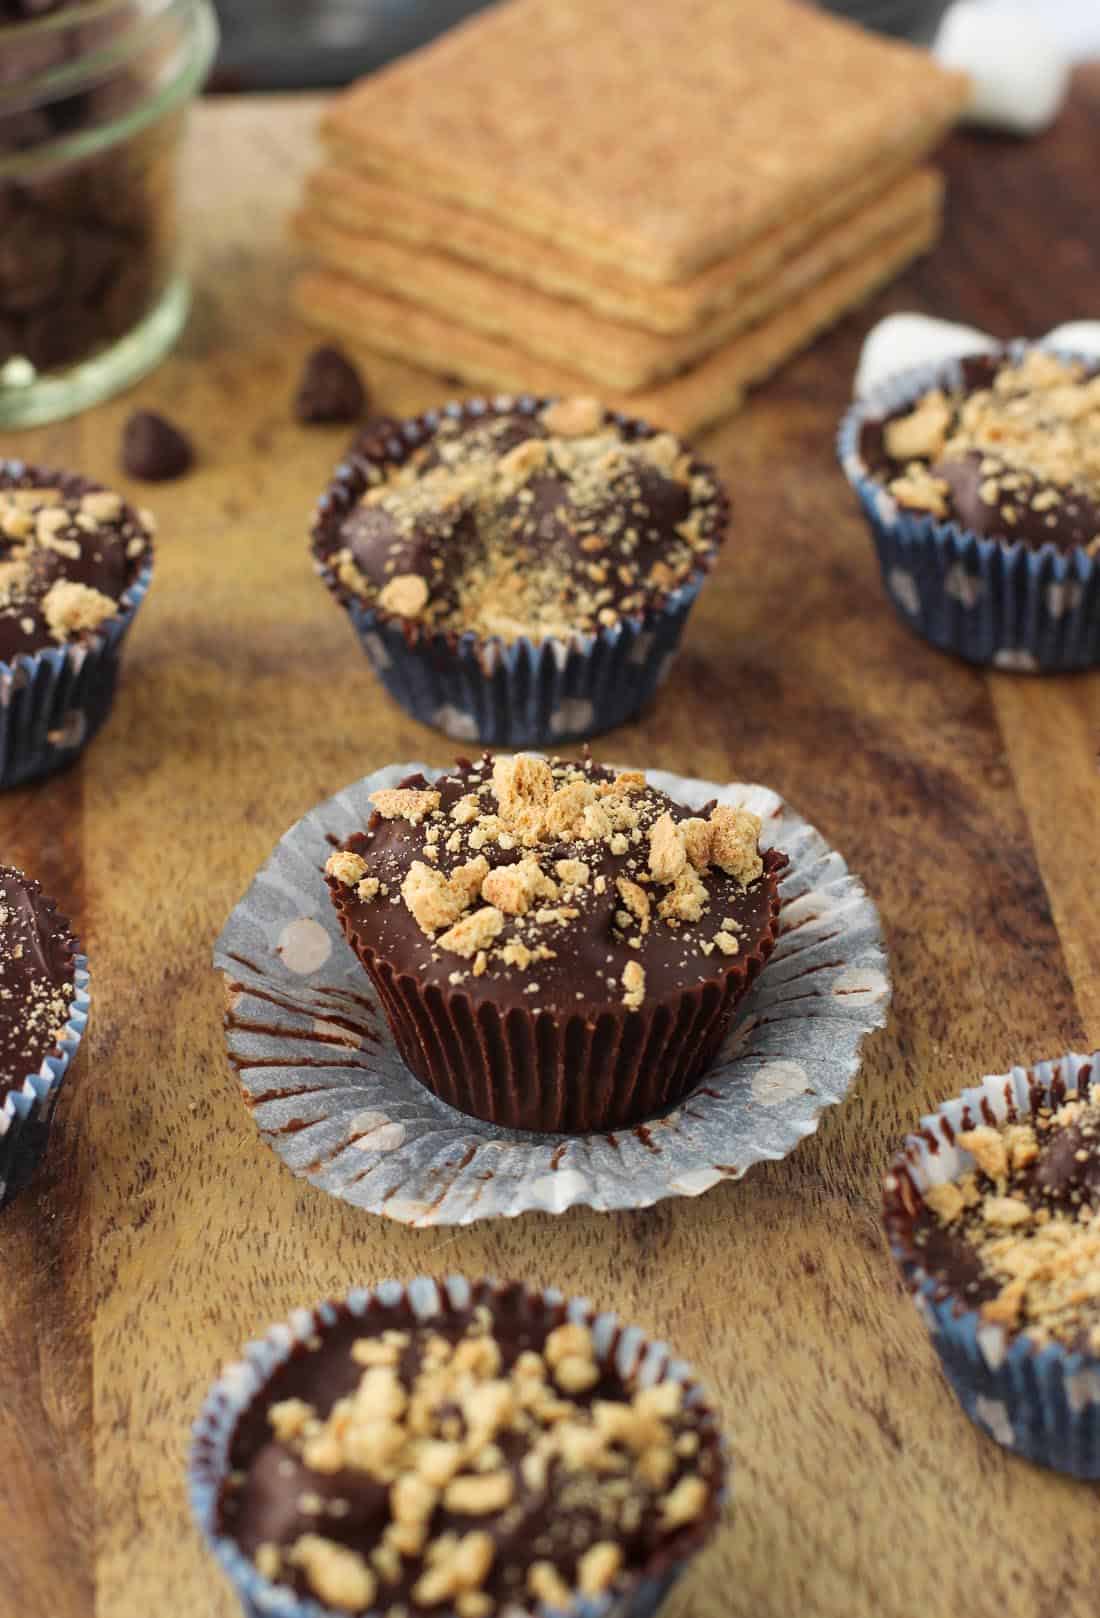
x=462, y=1448
x=519, y=571
x=43, y=1011
x=980, y=479
x=993, y=1214
x=557, y=945
x=75, y=564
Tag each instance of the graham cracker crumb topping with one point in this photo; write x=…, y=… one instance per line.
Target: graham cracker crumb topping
x=529, y=525
x=65, y=561
x=464, y=1438
x=507, y=865
x=1034, y=433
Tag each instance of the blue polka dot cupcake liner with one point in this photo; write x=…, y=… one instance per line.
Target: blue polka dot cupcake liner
x=53, y=701
x=521, y=693
x=1004, y=606
x=634, y=1594
x=27, y=1112
x=1041, y=1401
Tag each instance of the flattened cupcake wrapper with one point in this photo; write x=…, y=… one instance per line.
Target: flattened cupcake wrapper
x=321, y=1074
x=626, y=1346
x=1008, y=606
x=53, y=701
x=1041, y=1402
x=26, y=1113
x=522, y=693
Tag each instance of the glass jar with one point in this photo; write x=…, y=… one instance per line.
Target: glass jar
x=93, y=97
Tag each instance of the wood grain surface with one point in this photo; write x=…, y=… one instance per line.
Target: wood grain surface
x=163, y=1233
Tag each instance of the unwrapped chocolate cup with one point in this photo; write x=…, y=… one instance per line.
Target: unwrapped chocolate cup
x=54, y=700
x=1011, y=606
x=27, y=1112
x=574, y=1074
x=636, y=1593
x=1041, y=1401
x=521, y=693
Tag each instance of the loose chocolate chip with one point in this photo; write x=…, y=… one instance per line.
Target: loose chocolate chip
x=153, y=449
x=330, y=389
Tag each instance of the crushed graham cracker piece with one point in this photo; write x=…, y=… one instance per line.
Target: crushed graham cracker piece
x=573, y=418
x=406, y=594
x=921, y=434
x=918, y=489
x=405, y=803
x=734, y=835
x=988, y=1147
x=634, y=985
x=71, y=609
x=341, y=1577
x=667, y=853
x=474, y=932
x=346, y=867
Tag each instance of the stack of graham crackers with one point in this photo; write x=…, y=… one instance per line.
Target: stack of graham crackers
x=655, y=202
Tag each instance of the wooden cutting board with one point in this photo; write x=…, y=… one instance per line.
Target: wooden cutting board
x=163, y=1233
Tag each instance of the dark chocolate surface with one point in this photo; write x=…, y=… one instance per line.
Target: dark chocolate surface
x=262, y=1504
x=586, y=971
x=582, y=528
x=104, y=553
x=1072, y=522
x=36, y=977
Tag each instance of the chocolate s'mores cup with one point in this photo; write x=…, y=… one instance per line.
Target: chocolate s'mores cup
x=456, y=1449
x=520, y=571
x=993, y=1215
x=43, y=1010
x=557, y=946
x=75, y=564
x=980, y=479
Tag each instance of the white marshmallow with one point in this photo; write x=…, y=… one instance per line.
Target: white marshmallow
x=901, y=342
x=1018, y=71
x=1079, y=336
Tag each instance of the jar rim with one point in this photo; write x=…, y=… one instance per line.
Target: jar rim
x=143, y=18
x=197, y=41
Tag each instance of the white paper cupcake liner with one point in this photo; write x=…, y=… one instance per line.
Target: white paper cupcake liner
x=319, y=1070
x=1040, y=1401
x=635, y=1357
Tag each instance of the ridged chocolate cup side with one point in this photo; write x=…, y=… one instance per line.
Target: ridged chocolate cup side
x=575, y=1075
x=520, y=693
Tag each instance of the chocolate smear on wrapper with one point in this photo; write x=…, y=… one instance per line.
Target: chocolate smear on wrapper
x=358, y=1124
x=154, y=449
x=331, y=389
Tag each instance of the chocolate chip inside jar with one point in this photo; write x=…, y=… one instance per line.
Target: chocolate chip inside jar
x=1011, y=454
x=37, y=975
x=558, y=900
x=1018, y=1236
x=542, y=523
x=69, y=550
x=482, y=1460
x=86, y=243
